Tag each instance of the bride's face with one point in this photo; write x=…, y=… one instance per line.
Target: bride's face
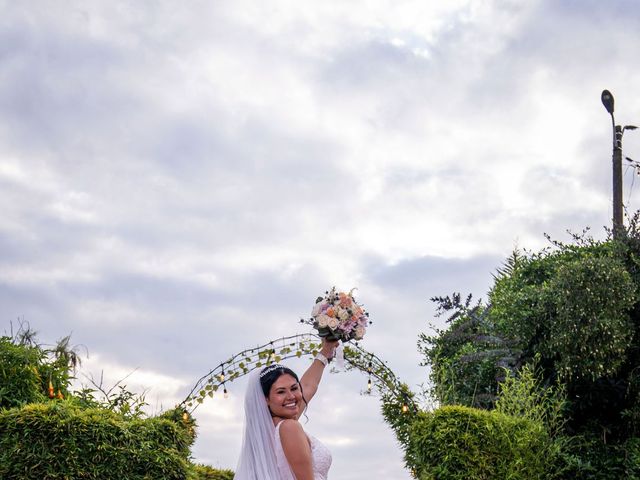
x=285, y=397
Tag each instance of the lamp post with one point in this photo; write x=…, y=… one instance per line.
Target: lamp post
x=618, y=131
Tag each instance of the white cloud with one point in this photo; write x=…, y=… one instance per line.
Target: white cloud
x=182, y=181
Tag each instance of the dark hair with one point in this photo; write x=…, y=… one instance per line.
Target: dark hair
x=269, y=375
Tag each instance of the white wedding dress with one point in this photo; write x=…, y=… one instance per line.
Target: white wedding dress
x=320, y=456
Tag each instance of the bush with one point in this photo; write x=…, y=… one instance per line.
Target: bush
x=523, y=395
x=29, y=373
x=20, y=382
x=462, y=443
x=589, y=458
x=591, y=331
x=60, y=440
x=467, y=360
x=577, y=309
x=205, y=472
x=574, y=312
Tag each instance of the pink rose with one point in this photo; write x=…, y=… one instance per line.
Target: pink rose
x=323, y=320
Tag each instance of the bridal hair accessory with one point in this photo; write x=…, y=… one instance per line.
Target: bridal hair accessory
x=337, y=316
x=270, y=369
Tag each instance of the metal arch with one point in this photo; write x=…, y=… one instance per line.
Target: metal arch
x=283, y=348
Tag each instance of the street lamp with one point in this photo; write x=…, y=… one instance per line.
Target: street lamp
x=618, y=131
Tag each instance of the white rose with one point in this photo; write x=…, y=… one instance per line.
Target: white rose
x=323, y=320
x=316, y=309
x=344, y=315
x=333, y=323
x=359, y=332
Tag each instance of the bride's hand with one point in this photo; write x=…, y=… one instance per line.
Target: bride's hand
x=329, y=347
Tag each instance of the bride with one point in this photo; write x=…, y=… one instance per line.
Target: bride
x=275, y=446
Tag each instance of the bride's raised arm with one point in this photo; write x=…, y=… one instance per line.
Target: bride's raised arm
x=311, y=378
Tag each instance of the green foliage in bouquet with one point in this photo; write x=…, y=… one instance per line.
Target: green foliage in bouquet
x=61, y=440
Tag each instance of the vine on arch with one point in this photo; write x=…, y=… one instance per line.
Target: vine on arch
x=307, y=344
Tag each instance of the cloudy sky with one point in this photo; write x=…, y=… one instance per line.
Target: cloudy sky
x=180, y=180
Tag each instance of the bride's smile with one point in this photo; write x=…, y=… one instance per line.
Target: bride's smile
x=285, y=397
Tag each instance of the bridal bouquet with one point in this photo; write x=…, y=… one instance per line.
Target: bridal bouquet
x=337, y=316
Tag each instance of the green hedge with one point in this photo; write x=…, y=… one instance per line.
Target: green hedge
x=462, y=443
x=59, y=440
x=205, y=472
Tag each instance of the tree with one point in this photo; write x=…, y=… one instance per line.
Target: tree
x=574, y=310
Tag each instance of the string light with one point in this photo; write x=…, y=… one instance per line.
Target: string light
x=388, y=381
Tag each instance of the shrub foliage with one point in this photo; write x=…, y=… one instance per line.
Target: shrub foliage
x=46, y=431
x=462, y=443
x=205, y=472
x=574, y=311
x=61, y=440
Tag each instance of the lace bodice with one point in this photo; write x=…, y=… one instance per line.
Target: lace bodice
x=320, y=456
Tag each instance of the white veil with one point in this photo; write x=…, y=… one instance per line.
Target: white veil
x=257, y=456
